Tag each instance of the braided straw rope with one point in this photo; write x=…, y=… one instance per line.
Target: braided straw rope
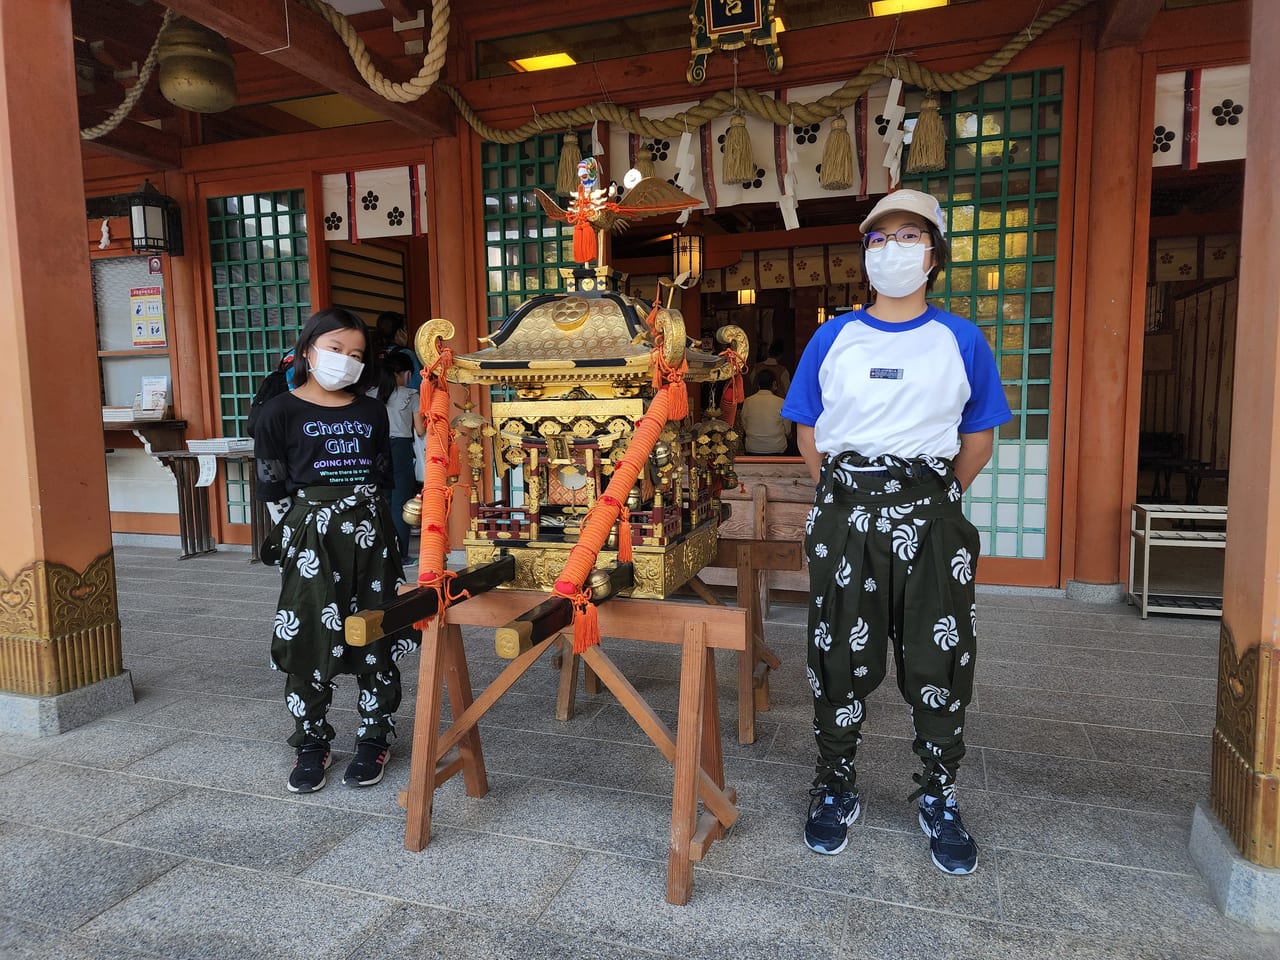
x=767, y=108
x=411, y=89
x=133, y=93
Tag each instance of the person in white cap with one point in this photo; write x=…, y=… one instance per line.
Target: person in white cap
x=895, y=409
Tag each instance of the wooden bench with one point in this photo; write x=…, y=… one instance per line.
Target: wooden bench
x=1150, y=525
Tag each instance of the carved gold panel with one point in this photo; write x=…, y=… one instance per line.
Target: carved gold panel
x=59, y=627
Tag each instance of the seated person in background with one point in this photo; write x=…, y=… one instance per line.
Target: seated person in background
x=773, y=364
x=762, y=424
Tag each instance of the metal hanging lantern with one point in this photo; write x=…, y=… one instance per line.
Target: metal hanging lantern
x=154, y=221
x=686, y=258
x=197, y=71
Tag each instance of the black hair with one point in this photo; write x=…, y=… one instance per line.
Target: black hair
x=941, y=255
x=388, y=324
x=765, y=380
x=777, y=348
x=327, y=321
x=390, y=365
x=398, y=362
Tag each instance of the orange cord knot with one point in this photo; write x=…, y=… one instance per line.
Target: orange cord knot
x=586, y=626
x=438, y=583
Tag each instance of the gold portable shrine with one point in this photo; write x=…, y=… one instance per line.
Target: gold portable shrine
x=581, y=367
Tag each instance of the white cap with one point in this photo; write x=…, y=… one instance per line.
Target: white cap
x=907, y=201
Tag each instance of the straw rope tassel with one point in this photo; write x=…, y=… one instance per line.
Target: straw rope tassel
x=928, y=151
x=739, y=165
x=837, y=157
x=644, y=162
x=567, y=172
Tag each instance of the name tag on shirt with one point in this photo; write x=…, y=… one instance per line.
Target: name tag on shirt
x=886, y=373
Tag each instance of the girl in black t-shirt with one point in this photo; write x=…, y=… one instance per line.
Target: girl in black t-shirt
x=323, y=466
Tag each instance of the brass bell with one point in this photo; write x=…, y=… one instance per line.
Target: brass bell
x=197, y=71
x=634, y=499
x=412, y=512
x=662, y=453
x=598, y=582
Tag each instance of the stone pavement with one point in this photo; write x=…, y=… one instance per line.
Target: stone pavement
x=165, y=830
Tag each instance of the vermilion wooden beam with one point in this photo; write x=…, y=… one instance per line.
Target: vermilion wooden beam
x=139, y=143
x=300, y=40
x=1125, y=22
x=404, y=10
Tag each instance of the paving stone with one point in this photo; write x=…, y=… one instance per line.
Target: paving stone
x=460, y=869
x=77, y=799
x=20, y=940
x=205, y=912
x=893, y=932
x=883, y=865
x=622, y=901
x=274, y=836
x=1176, y=751
x=1171, y=912
x=35, y=884
x=416, y=932
x=1095, y=782
x=107, y=744
x=1077, y=706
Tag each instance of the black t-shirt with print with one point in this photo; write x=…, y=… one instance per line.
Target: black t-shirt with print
x=302, y=444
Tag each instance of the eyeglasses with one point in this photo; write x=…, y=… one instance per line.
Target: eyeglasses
x=905, y=237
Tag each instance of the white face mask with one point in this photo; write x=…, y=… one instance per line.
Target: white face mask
x=333, y=371
x=897, y=271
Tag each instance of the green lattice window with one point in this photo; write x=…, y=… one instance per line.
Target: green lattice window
x=1000, y=191
x=261, y=297
x=524, y=248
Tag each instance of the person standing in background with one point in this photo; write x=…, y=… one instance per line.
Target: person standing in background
x=391, y=336
x=406, y=424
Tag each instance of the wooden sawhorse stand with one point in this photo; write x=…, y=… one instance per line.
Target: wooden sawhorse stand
x=694, y=750
x=751, y=558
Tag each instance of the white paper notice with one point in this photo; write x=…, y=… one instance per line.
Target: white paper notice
x=208, y=469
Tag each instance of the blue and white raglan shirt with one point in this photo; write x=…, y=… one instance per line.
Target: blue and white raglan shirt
x=906, y=389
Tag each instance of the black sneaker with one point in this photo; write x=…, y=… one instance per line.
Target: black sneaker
x=308, y=774
x=950, y=846
x=369, y=763
x=830, y=814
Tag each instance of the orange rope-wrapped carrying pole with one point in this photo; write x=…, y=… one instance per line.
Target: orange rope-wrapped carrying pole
x=437, y=495
x=595, y=527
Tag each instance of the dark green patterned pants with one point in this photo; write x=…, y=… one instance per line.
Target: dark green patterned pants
x=338, y=553
x=308, y=700
x=891, y=560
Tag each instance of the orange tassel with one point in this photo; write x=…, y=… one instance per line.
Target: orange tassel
x=624, y=536
x=586, y=626
x=454, y=468
x=739, y=392
x=679, y=397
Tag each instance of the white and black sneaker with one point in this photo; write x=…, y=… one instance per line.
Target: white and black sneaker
x=368, y=765
x=950, y=846
x=308, y=774
x=830, y=815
